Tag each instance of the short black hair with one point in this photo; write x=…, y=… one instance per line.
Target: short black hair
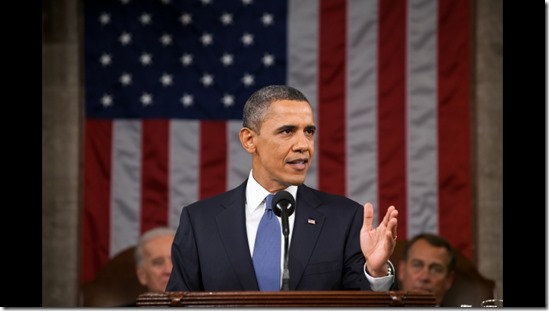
x=259, y=102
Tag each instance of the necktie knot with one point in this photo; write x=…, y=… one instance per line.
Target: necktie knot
x=269, y=204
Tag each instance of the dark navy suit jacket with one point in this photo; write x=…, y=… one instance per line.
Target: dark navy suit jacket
x=211, y=253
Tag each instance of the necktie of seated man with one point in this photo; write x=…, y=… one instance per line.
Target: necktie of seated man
x=266, y=255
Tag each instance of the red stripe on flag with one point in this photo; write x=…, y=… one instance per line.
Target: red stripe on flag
x=154, y=174
x=213, y=158
x=392, y=109
x=97, y=194
x=331, y=96
x=453, y=115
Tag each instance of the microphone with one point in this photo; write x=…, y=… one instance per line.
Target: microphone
x=283, y=207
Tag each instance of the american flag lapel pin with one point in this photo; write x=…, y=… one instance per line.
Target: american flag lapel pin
x=311, y=221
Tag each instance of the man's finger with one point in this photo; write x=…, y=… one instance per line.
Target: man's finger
x=368, y=215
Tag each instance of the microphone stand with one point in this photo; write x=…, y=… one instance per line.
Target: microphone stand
x=284, y=206
x=286, y=232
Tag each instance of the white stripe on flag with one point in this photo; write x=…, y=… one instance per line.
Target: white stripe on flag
x=422, y=201
x=183, y=167
x=125, y=185
x=362, y=102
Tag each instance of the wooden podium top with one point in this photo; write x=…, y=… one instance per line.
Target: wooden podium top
x=286, y=299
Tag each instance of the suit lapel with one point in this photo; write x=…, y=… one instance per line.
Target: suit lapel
x=307, y=226
x=234, y=240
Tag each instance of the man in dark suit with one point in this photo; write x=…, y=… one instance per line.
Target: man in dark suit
x=333, y=243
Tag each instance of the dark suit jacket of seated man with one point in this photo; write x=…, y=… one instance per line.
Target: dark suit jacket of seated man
x=332, y=237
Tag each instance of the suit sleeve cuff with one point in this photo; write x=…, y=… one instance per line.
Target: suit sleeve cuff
x=382, y=283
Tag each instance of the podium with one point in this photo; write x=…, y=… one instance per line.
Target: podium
x=286, y=299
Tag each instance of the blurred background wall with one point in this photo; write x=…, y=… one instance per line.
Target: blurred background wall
x=62, y=116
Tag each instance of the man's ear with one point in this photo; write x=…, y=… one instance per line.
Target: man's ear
x=247, y=139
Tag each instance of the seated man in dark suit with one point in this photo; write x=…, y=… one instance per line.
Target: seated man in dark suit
x=333, y=242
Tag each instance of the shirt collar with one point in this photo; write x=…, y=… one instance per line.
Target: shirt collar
x=255, y=193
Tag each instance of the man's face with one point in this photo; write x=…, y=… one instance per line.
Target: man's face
x=157, y=263
x=426, y=270
x=283, y=149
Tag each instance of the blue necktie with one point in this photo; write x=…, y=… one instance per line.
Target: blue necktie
x=266, y=256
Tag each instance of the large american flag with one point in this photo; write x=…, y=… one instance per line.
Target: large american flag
x=165, y=83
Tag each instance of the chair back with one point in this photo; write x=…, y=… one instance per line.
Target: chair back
x=115, y=285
